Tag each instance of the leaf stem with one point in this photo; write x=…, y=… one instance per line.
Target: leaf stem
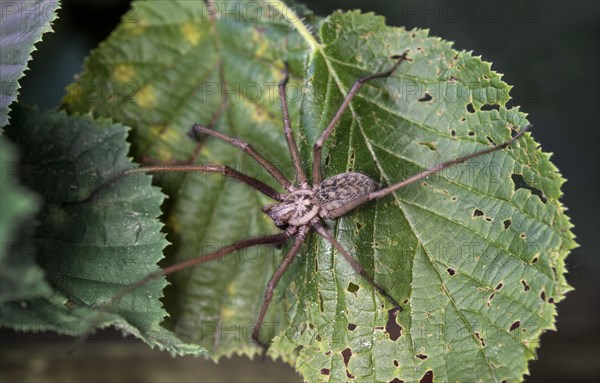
x=297, y=23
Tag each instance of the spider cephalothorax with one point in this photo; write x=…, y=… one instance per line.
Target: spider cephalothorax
x=304, y=205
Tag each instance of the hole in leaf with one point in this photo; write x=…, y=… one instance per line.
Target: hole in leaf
x=430, y=145
x=453, y=133
x=471, y=133
x=321, y=304
x=507, y=223
x=520, y=183
x=392, y=327
x=427, y=378
x=454, y=199
x=490, y=298
x=490, y=140
x=351, y=326
x=550, y=300
x=347, y=354
x=426, y=97
x=489, y=219
x=396, y=363
x=422, y=356
x=477, y=213
x=480, y=338
x=500, y=285
x=525, y=285
x=327, y=160
x=543, y=295
x=396, y=380
x=515, y=325
x=324, y=371
x=405, y=301
x=318, y=338
x=451, y=271
x=359, y=226
x=470, y=108
x=488, y=107
x=452, y=79
x=535, y=259
x=522, y=236
x=352, y=287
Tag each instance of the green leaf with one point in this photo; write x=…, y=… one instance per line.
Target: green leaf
x=20, y=277
x=23, y=24
x=89, y=251
x=160, y=73
x=475, y=255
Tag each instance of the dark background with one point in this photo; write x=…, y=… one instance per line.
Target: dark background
x=548, y=50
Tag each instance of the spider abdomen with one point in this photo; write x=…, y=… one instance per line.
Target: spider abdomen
x=338, y=191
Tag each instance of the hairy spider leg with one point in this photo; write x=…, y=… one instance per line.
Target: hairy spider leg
x=433, y=170
x=289, y=135
x=300, y=237
x=223, y=251
x=246, y=147
x=317, y=178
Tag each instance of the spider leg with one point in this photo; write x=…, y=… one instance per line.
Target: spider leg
x=246, y=147
x=209, y=168
x=355, y=88
x=273, y=283
x=223, y=251
x=289, y=135
x=433, y=170
x=323, y=232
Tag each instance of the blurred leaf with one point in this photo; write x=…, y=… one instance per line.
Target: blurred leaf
x=20, y=277
x=23, y=24
x=475, y=255
x=89, y=251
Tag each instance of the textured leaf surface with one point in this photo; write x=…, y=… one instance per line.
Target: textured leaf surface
x=89, y=251
x=20, y=277
x=162, y=71
x=475, y=255
x=23, y=24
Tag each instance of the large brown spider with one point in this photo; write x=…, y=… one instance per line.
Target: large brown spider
x=304, y=205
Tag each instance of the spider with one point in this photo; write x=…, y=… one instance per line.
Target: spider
x=304, y=205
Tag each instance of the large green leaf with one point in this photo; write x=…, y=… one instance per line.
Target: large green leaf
x=475, y=255
x=23, y=24
x=88, y=251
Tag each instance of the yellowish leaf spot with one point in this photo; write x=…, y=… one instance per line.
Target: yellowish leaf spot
x=123, y=73
x=227, y=314
x=145, y=97
x=191, y=33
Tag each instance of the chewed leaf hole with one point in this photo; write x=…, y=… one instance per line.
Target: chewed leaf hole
x=451, y=271
x=421, y=356
x=490, y=140
x=471, y=133
x=480, y=338
x=453, y=133
x=515, y=325
x=500, y=285
x=488, y=107
x=396, y=363
x=477, y=213
x=427, y=378
x=430, y=145
x=347, y=354
x=352, y=288
x=426, y=97
x=396, y=380
x=392, y=327
x=351, y=326
x=321, y=303
x=470, y=108
x=525, y=285
x=543, y=295
x=520, y=183
x=507, y=223
x=324, y=371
